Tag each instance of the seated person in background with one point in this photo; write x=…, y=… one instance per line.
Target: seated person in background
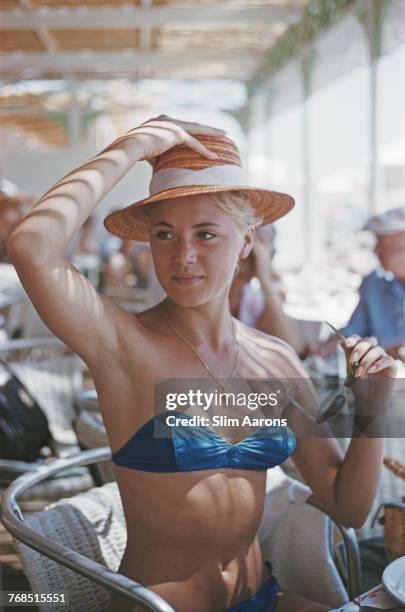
x=256, y=296
x=380, y=312
x=130, y=266
x=87, y=243
x=13, y=204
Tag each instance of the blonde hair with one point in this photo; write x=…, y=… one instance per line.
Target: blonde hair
x=237, y=205
x=234, y=203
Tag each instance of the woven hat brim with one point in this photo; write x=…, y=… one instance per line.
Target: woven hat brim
x=129, y=222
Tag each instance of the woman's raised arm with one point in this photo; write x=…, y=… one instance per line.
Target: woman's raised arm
x=67, y=303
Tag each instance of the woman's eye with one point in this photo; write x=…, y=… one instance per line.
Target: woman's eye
x=163, y=235
x=206, y=235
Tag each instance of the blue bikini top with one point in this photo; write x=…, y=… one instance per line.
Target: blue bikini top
x=158, y=447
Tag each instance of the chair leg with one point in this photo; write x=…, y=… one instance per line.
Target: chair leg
x=354, y=577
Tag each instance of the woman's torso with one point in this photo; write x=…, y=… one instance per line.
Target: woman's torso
x=196, y=528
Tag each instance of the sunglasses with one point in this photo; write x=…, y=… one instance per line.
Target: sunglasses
x=335, y=401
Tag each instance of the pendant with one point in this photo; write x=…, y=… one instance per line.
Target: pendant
x=225, y=388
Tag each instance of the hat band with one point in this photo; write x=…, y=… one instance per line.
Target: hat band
x=228, y=174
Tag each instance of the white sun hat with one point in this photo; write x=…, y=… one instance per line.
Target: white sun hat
x=390, y=222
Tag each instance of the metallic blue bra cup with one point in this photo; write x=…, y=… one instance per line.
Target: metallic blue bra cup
x=158, y=447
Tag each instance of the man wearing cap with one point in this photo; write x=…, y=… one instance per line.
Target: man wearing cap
x=380, y=312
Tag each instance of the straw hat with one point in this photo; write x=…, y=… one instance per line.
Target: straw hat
x=181, y=172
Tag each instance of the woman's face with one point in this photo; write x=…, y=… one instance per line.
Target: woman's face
x=195, y=248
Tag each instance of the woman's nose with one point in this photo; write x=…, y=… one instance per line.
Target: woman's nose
x=185, y=253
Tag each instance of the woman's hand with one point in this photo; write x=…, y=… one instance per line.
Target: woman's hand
x=262, y=262
x=162, y=133
x=397, y=352
x=372, y=359
x=264, y=271
x=373, y=369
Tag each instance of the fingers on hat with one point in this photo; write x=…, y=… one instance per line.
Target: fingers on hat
x=191, y=126
x=195, y=144
x=198, y=128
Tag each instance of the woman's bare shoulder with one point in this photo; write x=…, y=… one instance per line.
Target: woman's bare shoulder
x=263, y=339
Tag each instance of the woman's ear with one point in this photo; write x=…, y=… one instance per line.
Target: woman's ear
x=247, y=245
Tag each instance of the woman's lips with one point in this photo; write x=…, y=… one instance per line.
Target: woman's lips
x=186, y=280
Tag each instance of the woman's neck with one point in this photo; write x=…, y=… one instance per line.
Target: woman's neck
x=206, y=325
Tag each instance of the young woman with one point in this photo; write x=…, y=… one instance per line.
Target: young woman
x=192, y=509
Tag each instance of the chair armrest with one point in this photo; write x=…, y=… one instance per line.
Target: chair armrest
x=62, y=450
x=30, y=343
x=12, y=468
x=17, y=467
x=351, y=547
x=13, y=521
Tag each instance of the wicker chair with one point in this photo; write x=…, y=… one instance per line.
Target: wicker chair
x=86, y=534
x=11, y=297
x=52, y=374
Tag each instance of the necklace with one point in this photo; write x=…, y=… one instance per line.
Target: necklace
x=223, y=386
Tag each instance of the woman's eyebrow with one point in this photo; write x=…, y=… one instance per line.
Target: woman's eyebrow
x=162, y=223
x=203, y=224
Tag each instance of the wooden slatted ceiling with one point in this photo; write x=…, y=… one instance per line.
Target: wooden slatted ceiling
x=108, y=40
x=191, y=2
x=46, y=130
x=171, y=38
x=69, y=40
x=244, y=37
x=57, y=3
x=166, y=39
x=22, y=100
x=17, y=40
x=8, y=5
x=75, y=3
x=240, y=3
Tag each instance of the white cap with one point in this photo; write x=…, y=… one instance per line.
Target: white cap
x=390, y=222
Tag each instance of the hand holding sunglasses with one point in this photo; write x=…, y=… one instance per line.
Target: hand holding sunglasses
x=365, y=359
